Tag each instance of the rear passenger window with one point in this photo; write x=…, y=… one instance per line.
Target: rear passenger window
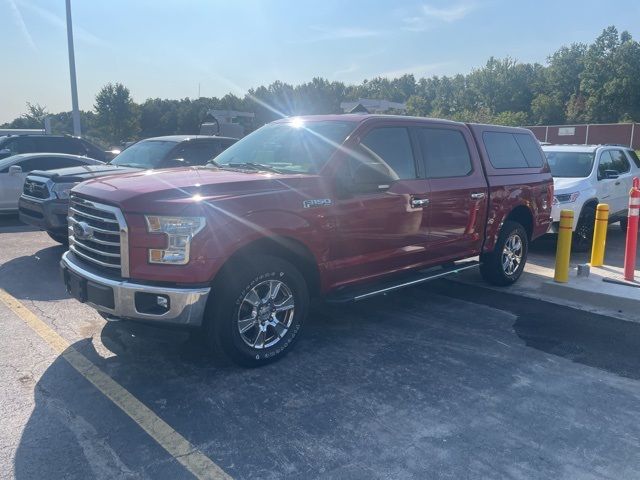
x=508, y=150
x=530, y=149
x=445, y=153
x=391, y=147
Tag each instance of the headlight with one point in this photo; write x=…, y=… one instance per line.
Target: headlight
x=179, y=231
x=62, y=189
x=565, y=198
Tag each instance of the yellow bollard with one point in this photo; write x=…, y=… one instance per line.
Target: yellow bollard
x=563, y=250
x=599, y=235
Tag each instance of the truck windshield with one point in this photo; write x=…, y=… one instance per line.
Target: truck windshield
x=570, y=164
x=145, y=154
x=292, y=147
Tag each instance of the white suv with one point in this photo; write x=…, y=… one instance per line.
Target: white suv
x=585, y=175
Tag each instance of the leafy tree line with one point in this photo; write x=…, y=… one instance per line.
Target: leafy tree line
x=597, y=82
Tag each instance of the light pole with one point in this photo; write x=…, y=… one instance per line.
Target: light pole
x=72, y=73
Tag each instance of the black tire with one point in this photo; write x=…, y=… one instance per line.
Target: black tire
x=230, y=301
x=623, y=224
x=60, y=238
x=582, y=238
x=492, y=267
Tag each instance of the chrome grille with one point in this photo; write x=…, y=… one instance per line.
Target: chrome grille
x=98, y=235
x=36, y=189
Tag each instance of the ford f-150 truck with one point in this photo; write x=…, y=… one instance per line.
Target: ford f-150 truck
x=340, y=207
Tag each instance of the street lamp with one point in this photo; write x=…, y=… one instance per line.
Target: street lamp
x=72, y=73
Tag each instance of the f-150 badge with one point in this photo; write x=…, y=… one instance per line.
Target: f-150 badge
x=317, y=202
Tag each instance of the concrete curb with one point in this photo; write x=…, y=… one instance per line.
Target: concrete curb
x=616, y=297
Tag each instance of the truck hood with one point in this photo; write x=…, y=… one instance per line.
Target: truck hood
x=85, y=172
x=172, y=190
x=570, y=185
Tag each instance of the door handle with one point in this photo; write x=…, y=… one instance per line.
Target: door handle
x=478, y=195
x=419, y=202
x=618, y=183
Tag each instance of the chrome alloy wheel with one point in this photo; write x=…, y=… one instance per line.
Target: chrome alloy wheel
x=265, y=314
x=512, y=254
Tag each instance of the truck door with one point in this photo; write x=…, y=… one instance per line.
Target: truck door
x=458, y=192
x=380, y=222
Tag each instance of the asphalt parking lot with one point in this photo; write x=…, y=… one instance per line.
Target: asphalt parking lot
x=437, y=381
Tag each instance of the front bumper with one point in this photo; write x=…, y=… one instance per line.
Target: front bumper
x=555, y=215
x=123, y=299
x=49, y=214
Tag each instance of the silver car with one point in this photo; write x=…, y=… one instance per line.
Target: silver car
x=14, y=170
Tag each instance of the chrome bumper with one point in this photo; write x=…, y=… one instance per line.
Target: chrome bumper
x=117, y=298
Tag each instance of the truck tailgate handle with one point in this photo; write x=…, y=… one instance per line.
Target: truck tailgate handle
x=478, y=195
x=419, y=202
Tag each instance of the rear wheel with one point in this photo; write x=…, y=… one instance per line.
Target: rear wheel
x=505, y=264
x=257, y=310
x=60, y=238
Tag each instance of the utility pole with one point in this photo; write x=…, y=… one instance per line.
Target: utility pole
x=72, y=73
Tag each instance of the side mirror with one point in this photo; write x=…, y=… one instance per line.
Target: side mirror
x=15, y=170
x=370, y=178
x=611, y=174
x=5, y=152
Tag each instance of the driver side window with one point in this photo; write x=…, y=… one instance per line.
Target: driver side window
x=614, y=161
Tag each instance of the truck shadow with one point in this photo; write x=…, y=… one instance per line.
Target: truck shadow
x=369, y=385
x=34, y=277
x=606, y=343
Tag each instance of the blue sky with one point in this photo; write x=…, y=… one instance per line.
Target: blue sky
x=165, y=49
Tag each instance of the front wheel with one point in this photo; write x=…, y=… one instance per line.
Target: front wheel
x=505, y=264
x=257, y=310
x=583, y=235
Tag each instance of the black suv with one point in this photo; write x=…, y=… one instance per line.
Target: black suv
x=45, y=198
x=16, y=144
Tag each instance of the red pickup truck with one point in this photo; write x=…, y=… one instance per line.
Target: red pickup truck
x=340, y=207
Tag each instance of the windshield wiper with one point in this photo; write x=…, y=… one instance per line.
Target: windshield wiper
x=255, y=166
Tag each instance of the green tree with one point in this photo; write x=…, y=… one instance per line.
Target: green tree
x=564, y=71
x=610, y=81
x=418, y=106
x=547, y=109
x=117, y=113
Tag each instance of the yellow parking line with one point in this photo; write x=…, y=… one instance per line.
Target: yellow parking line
x=174, y=443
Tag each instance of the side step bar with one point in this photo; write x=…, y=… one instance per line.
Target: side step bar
x=355, y=294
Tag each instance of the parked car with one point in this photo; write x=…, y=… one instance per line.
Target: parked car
x=14, y=170
x=585, y=175
x=341, y=207
x=45, y=199
x=18, y=144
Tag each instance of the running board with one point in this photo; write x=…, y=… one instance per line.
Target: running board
x=355, y=294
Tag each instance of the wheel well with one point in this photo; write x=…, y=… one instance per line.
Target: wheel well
x=593, y=203
x=293, y=251
x=522, y=215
